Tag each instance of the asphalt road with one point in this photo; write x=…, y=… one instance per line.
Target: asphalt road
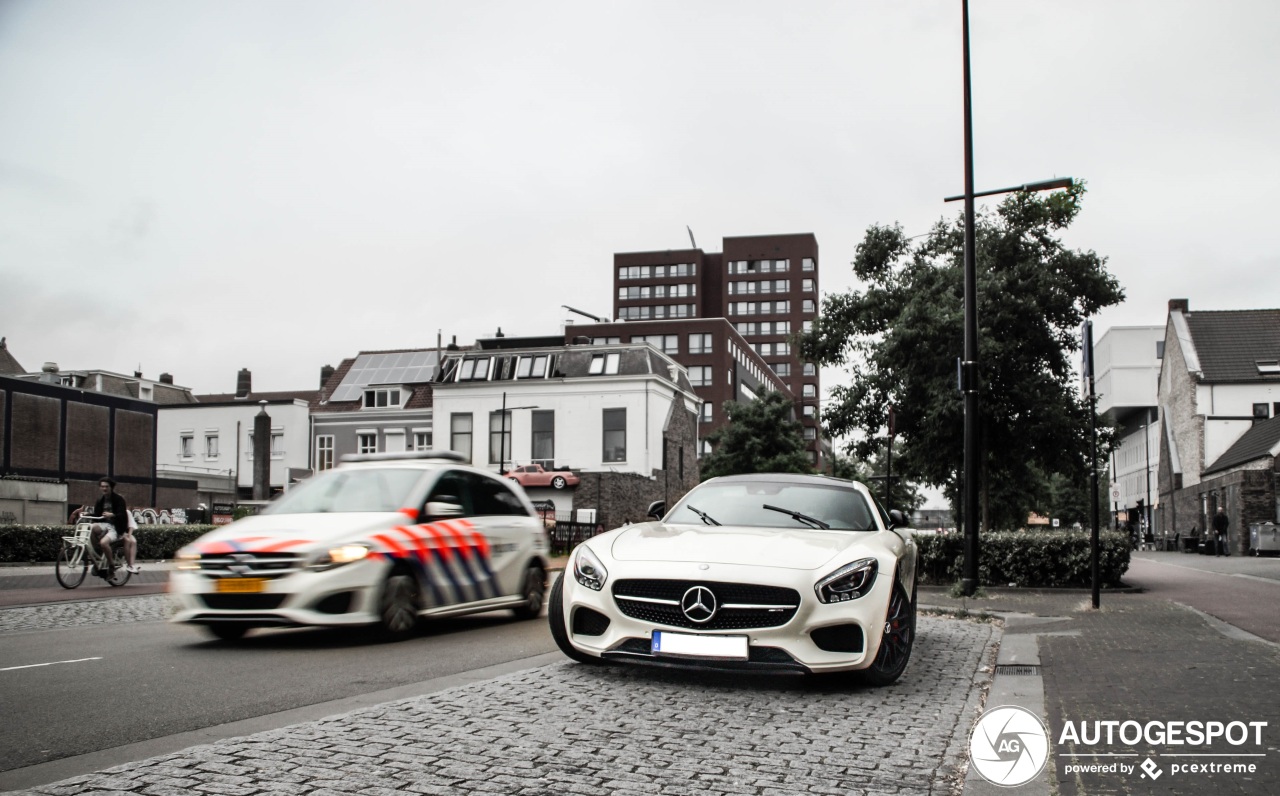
x=134, y=681
x=1241, y=591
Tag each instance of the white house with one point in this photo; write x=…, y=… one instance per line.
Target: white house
x=1126, y=378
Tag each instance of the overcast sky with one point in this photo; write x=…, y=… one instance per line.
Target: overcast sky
x=195, y=187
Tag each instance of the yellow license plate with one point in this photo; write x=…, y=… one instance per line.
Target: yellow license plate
x=241, y=585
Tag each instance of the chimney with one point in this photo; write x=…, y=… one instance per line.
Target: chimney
x=244, y=383
x=49, y=373
x=453, y=345
x=137, y=374
x=1183, y=305
x=326, y=373
x=166, y=378
x=500, y=334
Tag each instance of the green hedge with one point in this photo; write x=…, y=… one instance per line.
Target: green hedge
x=1036, y=558
x=23, y=544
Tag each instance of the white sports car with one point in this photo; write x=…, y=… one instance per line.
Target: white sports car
x=787, y=573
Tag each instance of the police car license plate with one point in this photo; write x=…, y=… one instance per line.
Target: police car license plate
x=686, y=645
x=240, y=585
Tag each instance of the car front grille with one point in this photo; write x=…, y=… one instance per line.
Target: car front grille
x=740, y=606
x=251, y=565
x=243, y=602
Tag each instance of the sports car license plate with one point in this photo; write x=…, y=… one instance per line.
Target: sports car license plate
x=240, y=585
x=686, y=645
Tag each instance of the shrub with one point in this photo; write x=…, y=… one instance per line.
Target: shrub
x=21, y=544
x=1042, y=558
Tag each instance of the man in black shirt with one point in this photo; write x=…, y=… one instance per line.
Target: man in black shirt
x=1220, y=526
x=112, y=508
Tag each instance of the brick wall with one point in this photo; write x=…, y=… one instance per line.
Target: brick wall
x=87, y=433
x=37, y=437
x=135, y=445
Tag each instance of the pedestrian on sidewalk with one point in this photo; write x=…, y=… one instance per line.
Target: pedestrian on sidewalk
x=1220, y=526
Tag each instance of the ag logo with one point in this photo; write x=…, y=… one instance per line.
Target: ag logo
x=1009, y=746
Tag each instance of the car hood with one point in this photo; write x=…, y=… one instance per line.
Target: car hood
x=297, y=532
x=741, y=545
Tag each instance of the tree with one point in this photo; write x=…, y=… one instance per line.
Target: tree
x=905, y=496
x=761, y=436
x=902, y=335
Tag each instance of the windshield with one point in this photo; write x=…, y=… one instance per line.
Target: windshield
x=775, y=504
x=345, y=491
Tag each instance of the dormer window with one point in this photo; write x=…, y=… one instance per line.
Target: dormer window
x=1268, y=367
x=382, y=398
x=474, y=369
x=604, y=363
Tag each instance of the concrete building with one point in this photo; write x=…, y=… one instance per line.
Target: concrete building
x=1126, y=380
x=1219, y=390
x=765, y=285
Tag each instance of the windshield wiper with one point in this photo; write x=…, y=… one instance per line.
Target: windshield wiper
x=805, y=518
x=702, y=515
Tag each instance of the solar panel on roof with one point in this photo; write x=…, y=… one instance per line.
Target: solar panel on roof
x=408, y=367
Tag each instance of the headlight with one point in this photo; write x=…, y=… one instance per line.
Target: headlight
x=588, y=570
x=187, y=559
x=337, y=556
x=848, y=582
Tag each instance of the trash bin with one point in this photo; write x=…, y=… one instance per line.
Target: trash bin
x=1264, y=539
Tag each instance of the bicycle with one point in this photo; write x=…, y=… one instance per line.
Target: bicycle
x=78, y=552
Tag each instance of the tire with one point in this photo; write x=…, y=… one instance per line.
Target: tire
x=895, y=645
x=119, y=576
x=558, y=482
x=72, y=566
x=555, y=612
x=515, y=480
x=533, y=591
x=398, y=606
x=227, y=631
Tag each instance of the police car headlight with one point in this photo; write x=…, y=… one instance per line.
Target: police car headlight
x=187, y=559
x=588, y=570
x=337, y=556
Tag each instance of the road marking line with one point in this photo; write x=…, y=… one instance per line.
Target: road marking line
x=51, y=663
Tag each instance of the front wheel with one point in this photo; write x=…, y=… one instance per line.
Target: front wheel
x=555, y=611
x=895, y=645
x=71, y=566
x=535, y=588
x=398, y=606
x=558, y=482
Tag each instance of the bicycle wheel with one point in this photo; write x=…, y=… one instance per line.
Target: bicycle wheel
x=71, y=566
x=119, y=576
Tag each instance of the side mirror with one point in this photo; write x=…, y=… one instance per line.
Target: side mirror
x=443, y=506
x=897, y=519
x=657, y=509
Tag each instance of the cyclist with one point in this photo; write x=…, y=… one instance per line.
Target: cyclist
x=112, y=508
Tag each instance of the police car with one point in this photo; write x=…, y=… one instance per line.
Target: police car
x=382, y=540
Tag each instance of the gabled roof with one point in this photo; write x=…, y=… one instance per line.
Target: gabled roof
x=1261, y=440
x=1230, y=344
x=8, y=365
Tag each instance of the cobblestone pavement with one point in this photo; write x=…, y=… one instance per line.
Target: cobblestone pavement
x=572, y=728
x=95, y=612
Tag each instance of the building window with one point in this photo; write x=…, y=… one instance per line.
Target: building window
x=807, y=264
x=1261, y=411
x=807, y=306
x=699, y=344
x=366, y=443
x=704, y=448
x=544, y=438
x=810, y=369
x=460, y=434
x=381, y=399
x=499, y=437
x=810, y=433
x=809, y=391
x=474, y=369
x=700, y=375
x=806, y=285
x=534, y=367
x=604, y=364
x=211, y=446
x=421, y=441
x=666, y=343
x=783, y=369
x=615, y=435
x=806, y=326
x=277, y=445
x=186, y=446
x=324, y=452
x=707, y=412
x=605, y=340
x=809, y=410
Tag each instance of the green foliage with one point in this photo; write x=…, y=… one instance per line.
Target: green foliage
x=21, y=544
x=1028, y=559
x=760, y=437
x=905, y=496
x=900, y=338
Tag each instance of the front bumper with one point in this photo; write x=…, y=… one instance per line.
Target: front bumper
x=342, y=596
x=819, y=637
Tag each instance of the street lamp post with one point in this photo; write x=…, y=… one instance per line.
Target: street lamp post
x=969, y=365
x=502, y=434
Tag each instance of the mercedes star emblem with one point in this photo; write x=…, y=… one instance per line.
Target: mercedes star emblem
x=698, y=604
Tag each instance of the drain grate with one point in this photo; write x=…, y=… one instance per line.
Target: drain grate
x=1033, y=671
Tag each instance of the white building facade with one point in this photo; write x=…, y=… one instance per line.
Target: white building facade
x=1126, y=381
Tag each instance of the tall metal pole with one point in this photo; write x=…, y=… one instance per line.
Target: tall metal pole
x=502, y=438
x=1093, y=457
x=969, y=373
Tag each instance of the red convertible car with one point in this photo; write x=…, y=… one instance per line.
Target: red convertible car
x=534, y=475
